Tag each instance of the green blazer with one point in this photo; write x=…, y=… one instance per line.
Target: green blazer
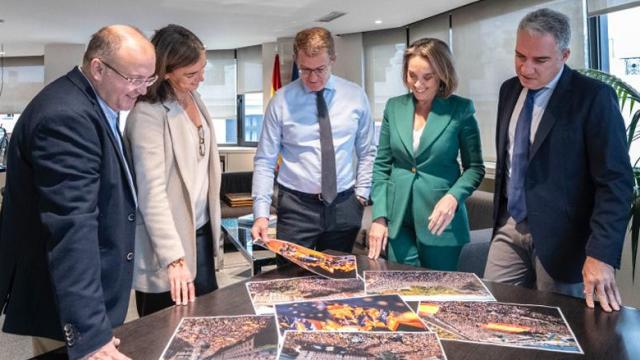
x=402, y=178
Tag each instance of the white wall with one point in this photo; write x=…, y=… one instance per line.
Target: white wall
x=349, y=58
x=60, y=58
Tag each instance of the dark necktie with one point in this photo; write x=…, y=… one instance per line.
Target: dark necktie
x=328, y=155
x=516, y=204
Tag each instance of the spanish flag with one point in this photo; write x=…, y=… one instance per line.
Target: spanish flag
x=276, y=83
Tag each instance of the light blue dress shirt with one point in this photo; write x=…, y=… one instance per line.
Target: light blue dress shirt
x=112, y=119
x=290, y=127
x=540, y=101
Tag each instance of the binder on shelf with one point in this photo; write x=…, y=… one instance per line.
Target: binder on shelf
x=238, y=199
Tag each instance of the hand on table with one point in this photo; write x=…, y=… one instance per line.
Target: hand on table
x=182, y=288
x=108, y=352
x=600, y=282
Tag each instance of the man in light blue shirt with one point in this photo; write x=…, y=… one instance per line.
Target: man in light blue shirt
x=318, y=123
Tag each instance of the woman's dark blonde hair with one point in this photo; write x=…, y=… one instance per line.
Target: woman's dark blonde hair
x=176, y=47
x=437, y=53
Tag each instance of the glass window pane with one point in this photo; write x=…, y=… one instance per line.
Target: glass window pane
x=253, y=116
x=22, y=78
x=383, y=52
x=249, y=69
x=218, y=91
x=624, y=57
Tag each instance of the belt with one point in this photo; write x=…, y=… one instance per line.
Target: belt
x=204, y=229
x=315, y=197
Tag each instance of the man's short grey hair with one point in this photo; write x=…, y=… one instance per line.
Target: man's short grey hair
x=547, y=21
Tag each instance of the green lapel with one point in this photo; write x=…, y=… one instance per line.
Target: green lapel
x=403, y=122
x=437, y=121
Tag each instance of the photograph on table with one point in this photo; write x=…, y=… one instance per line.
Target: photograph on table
x=514, y=325
x=427, y=285
x=329, y=266
x=369, y=313
x=224, y=337
x=360, y=345
x=265, y=294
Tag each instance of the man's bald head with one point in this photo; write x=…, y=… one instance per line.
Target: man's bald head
x=106, y=42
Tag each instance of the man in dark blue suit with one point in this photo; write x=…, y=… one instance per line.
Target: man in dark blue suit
x=68, y=212
x=564, y=182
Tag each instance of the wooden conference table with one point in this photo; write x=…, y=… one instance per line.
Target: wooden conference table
x=602, y=335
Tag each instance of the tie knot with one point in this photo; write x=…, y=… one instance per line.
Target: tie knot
x=320, y=92
x=531, y=93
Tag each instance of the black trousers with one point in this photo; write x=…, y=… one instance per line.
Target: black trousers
x=306, y=220
x=205, y=281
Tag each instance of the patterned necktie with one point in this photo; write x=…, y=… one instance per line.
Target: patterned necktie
x=516, y=204
x=328, y=155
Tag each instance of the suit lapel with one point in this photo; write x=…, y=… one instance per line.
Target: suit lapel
x=551, y=112
x=403, y=122
x=504, y=117
x=437, y=121
x=81, y=81
x=184, y=153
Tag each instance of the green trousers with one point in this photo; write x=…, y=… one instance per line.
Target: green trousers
x=406, y=248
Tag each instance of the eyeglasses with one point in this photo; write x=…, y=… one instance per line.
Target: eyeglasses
x=201, y=145
x=136, y=82
x=318, y=71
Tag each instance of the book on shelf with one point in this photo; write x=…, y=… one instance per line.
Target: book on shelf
x=238, y=199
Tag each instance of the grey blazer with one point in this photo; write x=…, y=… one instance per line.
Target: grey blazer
x=156, y=137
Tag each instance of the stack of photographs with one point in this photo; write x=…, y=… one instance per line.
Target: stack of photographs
x=317, y=317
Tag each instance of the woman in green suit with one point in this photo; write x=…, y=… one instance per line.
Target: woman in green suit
x=418, y=187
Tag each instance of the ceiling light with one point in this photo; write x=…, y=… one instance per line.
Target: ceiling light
x=378, y=22
x=331, y=16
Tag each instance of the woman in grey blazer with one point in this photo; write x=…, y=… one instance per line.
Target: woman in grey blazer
x=171, y=138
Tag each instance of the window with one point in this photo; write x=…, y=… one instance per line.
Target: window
x=20, y=80
x=383, y=51
x=620, y=54
x=218, y=91
x=250, y=114
x=250, y=97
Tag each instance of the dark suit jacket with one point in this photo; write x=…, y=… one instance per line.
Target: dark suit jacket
x=579, y=183
x=68, y=221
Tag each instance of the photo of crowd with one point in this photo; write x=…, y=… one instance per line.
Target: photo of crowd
x=264, y=294
x=514, y=325
x=371, y=313
x=427, y=285
x=320, y=345
x=329, y=266
x=223, y=337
